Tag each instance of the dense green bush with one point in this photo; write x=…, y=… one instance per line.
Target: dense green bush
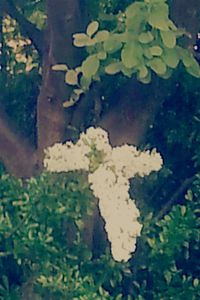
x=172, y=269
x=34, y=244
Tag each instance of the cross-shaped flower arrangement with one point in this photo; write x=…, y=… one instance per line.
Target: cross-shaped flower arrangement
x=109, y=170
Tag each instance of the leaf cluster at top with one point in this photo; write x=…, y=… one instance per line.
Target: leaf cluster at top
x=143, y=41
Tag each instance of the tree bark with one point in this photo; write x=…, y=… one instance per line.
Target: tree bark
x=136, y=106
x=15, y=152
x=63, y=21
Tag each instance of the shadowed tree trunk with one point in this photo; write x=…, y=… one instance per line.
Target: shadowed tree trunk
x=132, y=116
x=63, y=21
x=16, y=153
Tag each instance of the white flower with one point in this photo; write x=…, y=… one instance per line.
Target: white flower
x=148, y=162
x=66, y=157
x=128, y=160
x=96, y=136
x=117, y=209
x=120, y=254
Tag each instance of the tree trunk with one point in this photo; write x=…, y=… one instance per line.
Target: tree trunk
x=15, y=152
x=133, y=114
x=63, y=21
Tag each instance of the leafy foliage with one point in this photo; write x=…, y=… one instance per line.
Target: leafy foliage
x=170, y=269
x=20, y=77
x=34, y=238
x=144, y=40
x=34, y=241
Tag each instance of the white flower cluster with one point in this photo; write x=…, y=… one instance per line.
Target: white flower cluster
x=72, y=157
x=109, y=181
x=66, y=157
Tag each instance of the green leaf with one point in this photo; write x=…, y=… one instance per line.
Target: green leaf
x=78, y=92
x=60, y=67
x=167, y=74
x=135, y=9
x=130, y=55
x=79, y=224
x=194, y=69
x=189, y=62
x=156, y=50
x=92, y=28
x=102, y=36
x=85, y=82
x=112, y=45
x=119, y=297
x=171, y=57
x=113, y=68
x=147, y=53
x=136, y=14
x=135, y=24
x=101, y=291
x=168, y=276
x=186, y=57
x=151, y=242
x=172, y=26
x=158, y=66
x=81, y=39
x=102, y=55
x=70, y=103
x=168, y=38
x=143, y=72
x=158, y=17
x=71, y=77
x=128, y=72
x=146, y=37
x=145, y=80
x=183, y=210
x=112, y=283
x=196, y=282
x=90, y=66
x=189, y=195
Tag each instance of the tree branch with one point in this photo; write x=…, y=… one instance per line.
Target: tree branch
x=184, y=186
x=27, y=28
x=17, y=155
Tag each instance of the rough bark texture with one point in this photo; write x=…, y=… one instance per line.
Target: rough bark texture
x=63, y=21
x=136, y=106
